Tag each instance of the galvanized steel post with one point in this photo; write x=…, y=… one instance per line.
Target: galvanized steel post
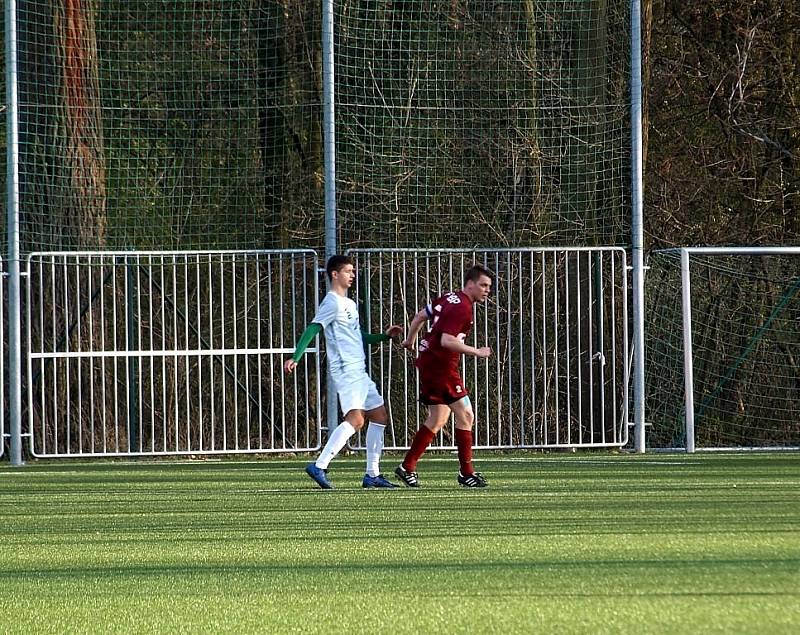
x=688, y=354
x=12, y=209
x=329, y=150
x=637, y=225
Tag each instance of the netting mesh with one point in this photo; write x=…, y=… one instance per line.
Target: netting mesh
x=197, y=123
x=745, y=316
x=501, y=123
x=185, y=124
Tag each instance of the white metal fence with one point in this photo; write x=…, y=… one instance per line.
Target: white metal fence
x=557, y=323
x=134, y=353
x=148, y=353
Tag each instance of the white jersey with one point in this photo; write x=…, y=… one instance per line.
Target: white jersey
x=338, y=315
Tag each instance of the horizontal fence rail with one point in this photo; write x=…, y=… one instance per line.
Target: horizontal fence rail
x=557, y=324
x=150, y=353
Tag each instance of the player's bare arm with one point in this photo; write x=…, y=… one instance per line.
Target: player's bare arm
x=452, y=343
x=414, y=329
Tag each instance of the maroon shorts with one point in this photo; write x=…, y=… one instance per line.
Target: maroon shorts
x=437, y=387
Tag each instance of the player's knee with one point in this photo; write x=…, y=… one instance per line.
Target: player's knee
x=378, y=416
x=465, y=416
x=467, y=419
x=434, y=425
x=356, y=419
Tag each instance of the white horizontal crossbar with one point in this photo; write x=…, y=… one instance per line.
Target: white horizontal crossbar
x=206, y=352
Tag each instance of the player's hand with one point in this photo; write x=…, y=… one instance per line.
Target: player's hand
x=408, y=344
x=394, y=330
x=289, y=365
x=484, y=352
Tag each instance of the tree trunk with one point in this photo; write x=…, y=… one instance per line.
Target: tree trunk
x=80, y=215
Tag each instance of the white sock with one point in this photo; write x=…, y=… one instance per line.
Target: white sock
x=335, y=443
x=374, y=447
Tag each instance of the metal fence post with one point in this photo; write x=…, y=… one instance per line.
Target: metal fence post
x=14, y=279
x=688, y=354
x=329, y=145
x=637, y=224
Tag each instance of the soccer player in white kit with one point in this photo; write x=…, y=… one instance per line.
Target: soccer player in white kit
x=337, y=315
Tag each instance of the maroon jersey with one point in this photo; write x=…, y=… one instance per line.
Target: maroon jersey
x=451, y=313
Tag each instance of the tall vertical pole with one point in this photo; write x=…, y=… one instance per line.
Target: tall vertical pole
x=12, y=209
x=637, y=225
x=329, y=150
x=688, y=353
x=329, y=127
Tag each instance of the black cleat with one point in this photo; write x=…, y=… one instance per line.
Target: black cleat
x=409, y=478
x=472, y=480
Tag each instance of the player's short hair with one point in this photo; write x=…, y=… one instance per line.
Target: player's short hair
x=475, y=272
x=335, y=263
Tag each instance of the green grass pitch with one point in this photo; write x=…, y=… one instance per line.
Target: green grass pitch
x=559, y=543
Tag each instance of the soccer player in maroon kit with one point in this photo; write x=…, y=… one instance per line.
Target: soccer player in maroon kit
x=441, y=387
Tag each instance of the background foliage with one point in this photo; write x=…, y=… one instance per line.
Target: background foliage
x=724, y=123
x=185, y=124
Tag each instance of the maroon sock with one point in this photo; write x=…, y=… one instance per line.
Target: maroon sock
x=464, y=445
x=422, y=439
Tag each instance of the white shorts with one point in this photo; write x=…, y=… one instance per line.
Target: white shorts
x=357, y=392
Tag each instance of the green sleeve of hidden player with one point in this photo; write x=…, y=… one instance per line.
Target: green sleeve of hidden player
x=309, y=334
x=374, y=338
